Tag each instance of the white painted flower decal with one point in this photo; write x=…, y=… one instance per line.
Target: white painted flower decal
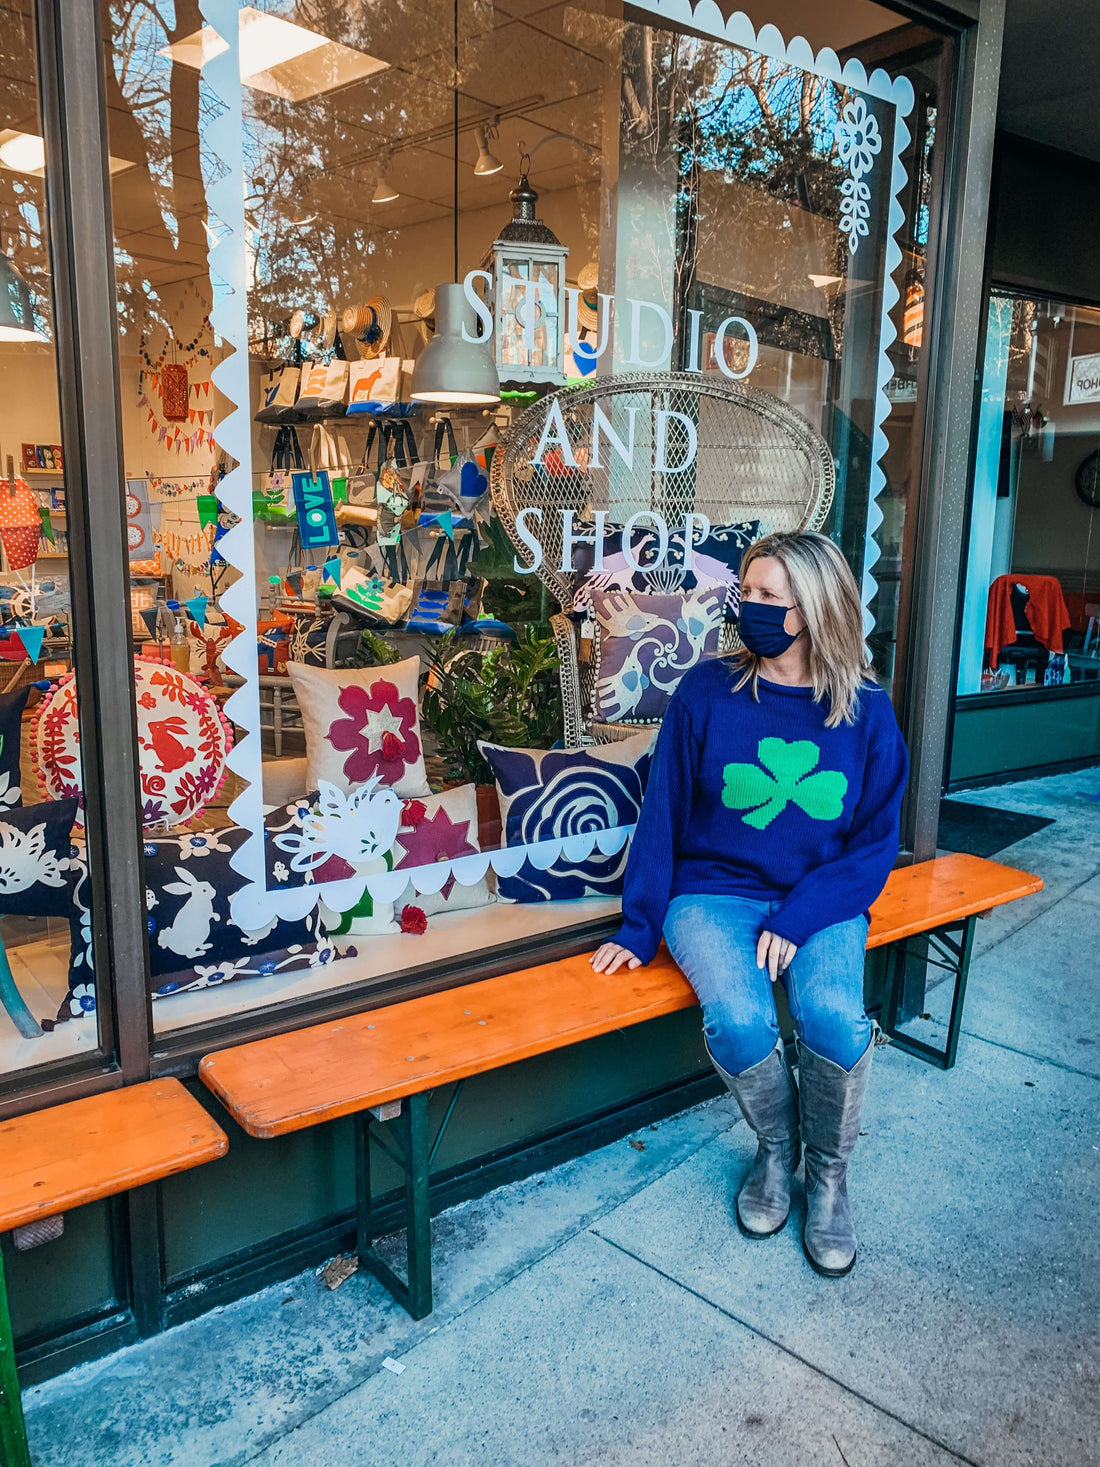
x=858, y=142
x=356, y=829
x=25, y=860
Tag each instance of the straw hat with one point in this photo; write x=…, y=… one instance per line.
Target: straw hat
x=588, y=302
x=328, y=332
x=353, y=319
x=373, y=334
x=424, y=311
x=302, y=323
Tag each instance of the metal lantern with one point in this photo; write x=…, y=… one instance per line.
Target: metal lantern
x=527, y=264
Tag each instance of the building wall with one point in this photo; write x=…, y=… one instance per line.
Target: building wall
x=1046, y=220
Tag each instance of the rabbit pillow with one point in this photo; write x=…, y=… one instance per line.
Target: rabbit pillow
x=193, y=941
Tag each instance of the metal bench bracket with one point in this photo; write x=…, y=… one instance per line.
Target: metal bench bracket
x=952, y=945
x=408, y=1145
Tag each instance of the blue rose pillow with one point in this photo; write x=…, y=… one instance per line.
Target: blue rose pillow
x=548, y=794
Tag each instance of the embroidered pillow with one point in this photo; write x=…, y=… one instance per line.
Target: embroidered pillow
x=11, y=731
x=646, y=643
x=360, y=722
x=548, y=794
x=440, y=828
x=193, y=940
x=715, y=561
x=35, y=850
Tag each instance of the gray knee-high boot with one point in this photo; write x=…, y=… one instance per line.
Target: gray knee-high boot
x=768, y=1099
x=831, y=1099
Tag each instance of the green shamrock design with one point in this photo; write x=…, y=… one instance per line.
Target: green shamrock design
x=786, y=776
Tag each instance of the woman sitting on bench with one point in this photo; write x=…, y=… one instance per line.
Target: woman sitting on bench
x=769, y=826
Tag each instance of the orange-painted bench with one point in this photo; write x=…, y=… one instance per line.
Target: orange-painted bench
x=383, y=1064
x=53, y=1160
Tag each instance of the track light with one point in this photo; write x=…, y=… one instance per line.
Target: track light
x=384, y=191
x=486, y=162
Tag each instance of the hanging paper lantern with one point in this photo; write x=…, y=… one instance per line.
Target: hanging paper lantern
x=183, y=741
x=174, y=392
x=20, y=524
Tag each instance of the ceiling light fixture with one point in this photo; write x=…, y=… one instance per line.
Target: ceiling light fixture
x=384, y=191
x=486, y=162
x=278, y=57
x=25, y=152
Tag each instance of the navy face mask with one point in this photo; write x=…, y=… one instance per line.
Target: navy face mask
x=761, y=629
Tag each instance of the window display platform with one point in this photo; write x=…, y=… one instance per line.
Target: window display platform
x=41, y=973
x=479, y=929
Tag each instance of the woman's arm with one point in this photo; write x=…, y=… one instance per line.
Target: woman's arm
x=846, y=887
x=661, y=827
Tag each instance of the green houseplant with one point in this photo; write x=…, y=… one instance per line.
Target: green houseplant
x=509, y=695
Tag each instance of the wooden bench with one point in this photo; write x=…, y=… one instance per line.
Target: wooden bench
x=53, y=1160
x=381, y=1065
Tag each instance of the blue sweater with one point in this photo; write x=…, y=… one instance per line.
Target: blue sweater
x=761, y=800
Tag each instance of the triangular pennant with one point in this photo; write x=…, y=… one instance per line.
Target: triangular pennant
x=31, y=637
x=447, y=524
x=197, y=608
x=332, y=569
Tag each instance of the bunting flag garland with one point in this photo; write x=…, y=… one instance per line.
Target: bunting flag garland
x=447, y=524
x=197, y=607
x=332, y=569
x=201, y=418
x=32, y=638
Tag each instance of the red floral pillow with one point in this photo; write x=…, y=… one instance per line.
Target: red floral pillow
x=360, y=722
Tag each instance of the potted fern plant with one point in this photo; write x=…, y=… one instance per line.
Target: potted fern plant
x=508, y=695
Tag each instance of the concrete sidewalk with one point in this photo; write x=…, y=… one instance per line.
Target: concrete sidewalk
x=609, y=1312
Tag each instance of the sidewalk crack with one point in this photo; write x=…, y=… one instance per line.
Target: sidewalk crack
x=793, y=1354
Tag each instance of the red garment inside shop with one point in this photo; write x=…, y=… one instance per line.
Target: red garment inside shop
x=1046, y=613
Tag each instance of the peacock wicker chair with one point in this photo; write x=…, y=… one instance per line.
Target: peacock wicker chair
x=757, y=459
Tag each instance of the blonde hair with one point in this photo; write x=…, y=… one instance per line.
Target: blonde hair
x=826, y=593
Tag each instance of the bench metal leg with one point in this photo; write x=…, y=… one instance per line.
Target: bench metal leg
x=954, y=956
x=411, y=1129
x=14, y=1451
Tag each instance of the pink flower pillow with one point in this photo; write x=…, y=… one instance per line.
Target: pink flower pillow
x=362, y=721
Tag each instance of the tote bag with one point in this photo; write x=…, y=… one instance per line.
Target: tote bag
x=324, y=389
x=278, y=396
x=373, y=385
x=273, y=502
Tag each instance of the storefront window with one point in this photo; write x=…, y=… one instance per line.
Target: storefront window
x=1031, y=617
x=463, y=354
x=47, y=990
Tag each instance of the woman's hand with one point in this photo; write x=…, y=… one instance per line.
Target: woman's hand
x=610, y=957
x=774, y=953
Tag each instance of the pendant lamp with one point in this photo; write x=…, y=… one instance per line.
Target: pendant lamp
x=16, y=305
x=452, y=371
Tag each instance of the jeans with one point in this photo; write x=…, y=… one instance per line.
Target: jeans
x=713, y=939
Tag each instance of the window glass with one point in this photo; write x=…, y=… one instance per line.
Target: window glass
x=47, y=996
x=465, y=348
x=1031, y=620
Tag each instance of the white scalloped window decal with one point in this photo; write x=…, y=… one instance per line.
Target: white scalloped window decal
x=224, y=168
